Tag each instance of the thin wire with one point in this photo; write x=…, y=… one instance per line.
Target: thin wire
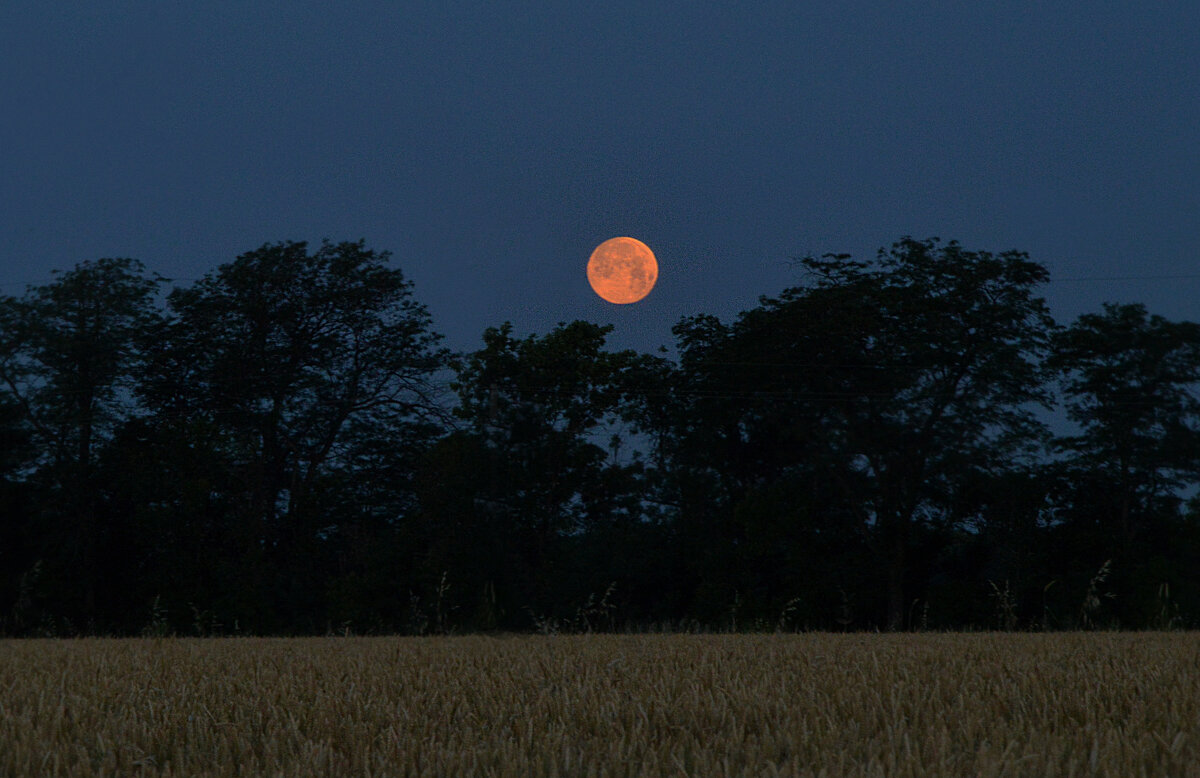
x=47, y=282
x=1128, y=278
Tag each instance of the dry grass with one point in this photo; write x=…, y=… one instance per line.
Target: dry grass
x=755, y=705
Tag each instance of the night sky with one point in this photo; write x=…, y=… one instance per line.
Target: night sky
x=491, y=146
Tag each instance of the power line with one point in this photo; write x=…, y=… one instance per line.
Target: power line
x=1178, y=277
x=10, y=284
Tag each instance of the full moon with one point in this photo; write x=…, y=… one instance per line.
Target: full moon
x=622, y=270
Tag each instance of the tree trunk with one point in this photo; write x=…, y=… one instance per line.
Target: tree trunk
x=896, y=571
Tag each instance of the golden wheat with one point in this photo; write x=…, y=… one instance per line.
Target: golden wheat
x=956, y=705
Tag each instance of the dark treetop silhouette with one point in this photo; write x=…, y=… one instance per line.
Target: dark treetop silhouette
x=275, y=451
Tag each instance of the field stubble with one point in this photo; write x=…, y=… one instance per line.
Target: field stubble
x=987, y=704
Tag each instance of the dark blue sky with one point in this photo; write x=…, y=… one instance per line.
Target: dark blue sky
x=490, y=146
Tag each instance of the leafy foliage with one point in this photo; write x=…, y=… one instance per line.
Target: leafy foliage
x=285, y=446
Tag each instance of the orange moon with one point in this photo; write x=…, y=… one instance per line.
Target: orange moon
x=622, y=270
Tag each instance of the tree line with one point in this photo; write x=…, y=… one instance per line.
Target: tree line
x=286, y=447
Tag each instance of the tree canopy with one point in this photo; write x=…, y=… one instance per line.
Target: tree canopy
x=286, y=447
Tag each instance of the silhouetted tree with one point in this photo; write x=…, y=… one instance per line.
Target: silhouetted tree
x=540, y=412
x=1002, y=521
x=16, y=437
x=16, y=559
x=69, y=350
x=888, y=380
x=1129, y=383
x=314, y=372
x=747, y=474
x=1130, y=380
x=275, y=453
x=68, y=355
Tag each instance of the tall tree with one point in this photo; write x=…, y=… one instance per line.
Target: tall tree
x=744, y=473
x=16, y=562
x=544, y=436
x=893, y=379
x=69, y=354
x=69, y=351
x=318, y=370
x=1130, y=383
x=950, y=343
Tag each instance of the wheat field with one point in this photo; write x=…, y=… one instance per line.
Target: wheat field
x=985, y=704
